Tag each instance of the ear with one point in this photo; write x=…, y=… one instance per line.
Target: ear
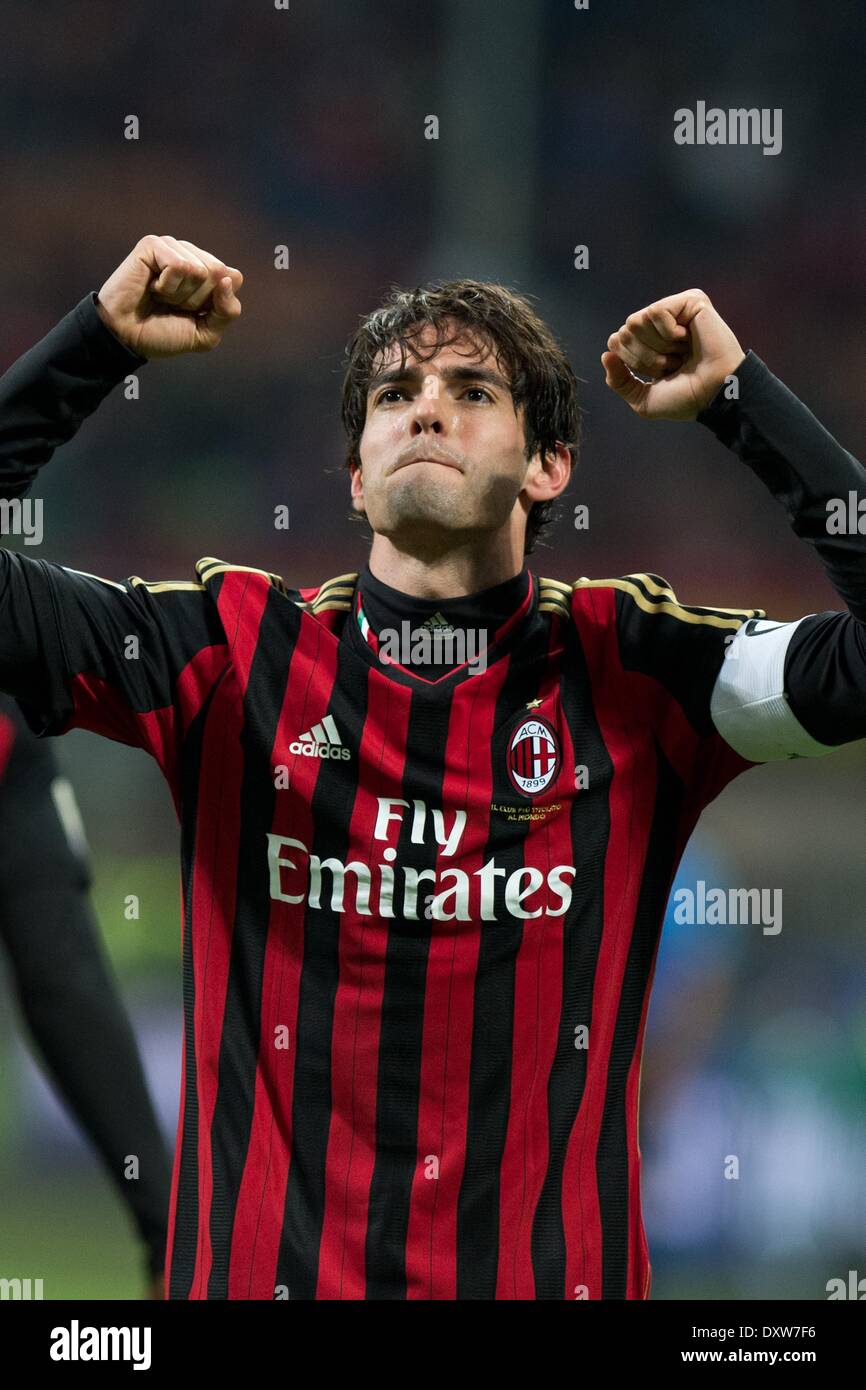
x=546, y=478
x=357, y=486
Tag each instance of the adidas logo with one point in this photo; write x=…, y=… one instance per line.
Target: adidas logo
x=438, y=623
x=322, y=741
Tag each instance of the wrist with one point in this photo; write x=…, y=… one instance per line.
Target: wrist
x=723, y=370
x=108, y=351
x=108, y=321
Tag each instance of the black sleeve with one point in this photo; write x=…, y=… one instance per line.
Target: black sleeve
x=801, y=464
x=47, y=393
x=825, y=677
x=67, y=993
x=128, y=660
x=806, y=469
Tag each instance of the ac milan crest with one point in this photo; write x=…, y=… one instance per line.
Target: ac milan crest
x=533, y=756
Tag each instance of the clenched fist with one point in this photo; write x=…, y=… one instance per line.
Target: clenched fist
x=170, y=297
x=683, y=345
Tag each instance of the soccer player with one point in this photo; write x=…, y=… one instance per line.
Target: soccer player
x=422, y=896
x=66, y=991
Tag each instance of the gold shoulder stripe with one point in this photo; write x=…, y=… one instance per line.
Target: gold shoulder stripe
x=711, y=617
x=334, y=596
x=341, y=587
x=338, y=579
x=655, y=585
x=333, y=593
x=206, y=563
x=340, y=604
x=558, y=584
x=162, y=586
x=210, y=567
x=553, y=601
x=157, y=586
x=86, y=575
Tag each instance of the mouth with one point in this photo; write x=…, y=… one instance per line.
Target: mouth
x=444, y=463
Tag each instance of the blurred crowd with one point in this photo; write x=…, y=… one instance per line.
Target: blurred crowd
x=304, y=128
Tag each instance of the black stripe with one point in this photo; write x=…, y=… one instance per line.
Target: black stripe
x=493, y=1008
x=402, y=1020
x=582, y=931
x=612, y=1156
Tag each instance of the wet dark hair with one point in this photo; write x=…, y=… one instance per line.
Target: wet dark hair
x=497, y=320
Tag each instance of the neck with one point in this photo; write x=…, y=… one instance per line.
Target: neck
x=462, y=570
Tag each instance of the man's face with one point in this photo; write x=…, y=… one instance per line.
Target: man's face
x=442, y=450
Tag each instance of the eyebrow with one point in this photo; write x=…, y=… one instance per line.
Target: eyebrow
x=415, y=375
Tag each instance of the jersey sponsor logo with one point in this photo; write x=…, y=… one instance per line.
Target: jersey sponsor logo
x=322, y=741
x=394, y=891
x=533, y=758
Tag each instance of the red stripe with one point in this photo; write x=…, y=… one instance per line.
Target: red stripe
x=261, y=1198
x=622, y=720
x=242, y=599
x=8, y=734
x=537, y=1010
x=175, y=1172
x=446, y=1049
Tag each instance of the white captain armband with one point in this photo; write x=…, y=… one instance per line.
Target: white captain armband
x=749, y=706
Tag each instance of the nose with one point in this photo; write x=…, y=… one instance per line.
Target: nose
x=426, y=415
x=421, y=426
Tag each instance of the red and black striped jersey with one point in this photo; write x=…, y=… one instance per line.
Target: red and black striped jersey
x=420, y=918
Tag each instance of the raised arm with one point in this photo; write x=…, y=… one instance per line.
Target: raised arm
x=781, y=689
x=164, y=299
x=77, y=650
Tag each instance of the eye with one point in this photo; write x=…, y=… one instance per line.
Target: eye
x=480, y=389
x=390, y=391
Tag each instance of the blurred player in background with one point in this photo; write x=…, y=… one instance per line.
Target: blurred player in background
x=67, y=993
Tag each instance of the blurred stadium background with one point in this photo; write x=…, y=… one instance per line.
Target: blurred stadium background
x=306, y=128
